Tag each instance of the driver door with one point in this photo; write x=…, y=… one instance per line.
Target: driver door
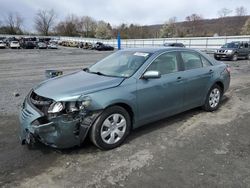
x=161, y=97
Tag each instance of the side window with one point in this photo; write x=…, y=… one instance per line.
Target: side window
x=246, y=45
x=205, y=62
x=165, y=63
x=191, y=60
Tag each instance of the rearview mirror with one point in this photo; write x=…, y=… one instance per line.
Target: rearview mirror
x=152, y=75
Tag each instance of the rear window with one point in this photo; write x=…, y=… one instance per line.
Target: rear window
x=191, y=60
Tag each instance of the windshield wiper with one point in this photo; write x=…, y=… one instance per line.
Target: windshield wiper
x=98, y=73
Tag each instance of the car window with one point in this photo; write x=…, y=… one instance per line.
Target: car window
x=165, y=63
x=191, y=60
x=246, y=45
x=205, y=62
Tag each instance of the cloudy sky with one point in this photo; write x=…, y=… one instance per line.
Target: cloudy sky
x=144, y=12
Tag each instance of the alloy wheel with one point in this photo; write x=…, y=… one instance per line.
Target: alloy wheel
x=214, y=98
x=113, y=128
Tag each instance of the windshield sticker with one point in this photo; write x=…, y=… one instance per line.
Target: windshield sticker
x=141, y=54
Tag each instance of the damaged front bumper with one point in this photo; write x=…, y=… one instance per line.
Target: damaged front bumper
x=62, y=131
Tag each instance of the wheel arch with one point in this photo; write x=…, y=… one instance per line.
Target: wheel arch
x=219, y=83
x=127, y=107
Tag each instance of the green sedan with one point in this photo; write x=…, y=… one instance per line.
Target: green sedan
x=124, y=91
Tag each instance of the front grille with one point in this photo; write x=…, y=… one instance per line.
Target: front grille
x=41, y=103
x=26, y=114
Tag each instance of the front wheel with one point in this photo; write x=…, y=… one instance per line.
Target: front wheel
x=248, y=56
x=234, y=57
x=213, y=99
x=111, y=128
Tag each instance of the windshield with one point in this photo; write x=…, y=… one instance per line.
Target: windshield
x=231, y=45
x=120, y=64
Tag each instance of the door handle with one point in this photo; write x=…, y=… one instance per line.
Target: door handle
x=211, y=71
x=179, y=79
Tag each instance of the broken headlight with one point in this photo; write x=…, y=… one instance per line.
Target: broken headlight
x=56, y=107
x=70, y=107
x=84, y=102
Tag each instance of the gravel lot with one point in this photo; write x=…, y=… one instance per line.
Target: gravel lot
x=192, y=149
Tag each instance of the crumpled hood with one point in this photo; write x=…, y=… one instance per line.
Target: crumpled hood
x=71, y=86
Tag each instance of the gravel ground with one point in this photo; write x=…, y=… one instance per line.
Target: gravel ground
x=192, y=149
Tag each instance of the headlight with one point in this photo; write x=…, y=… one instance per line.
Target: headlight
x=229, y=51
x=56, y=107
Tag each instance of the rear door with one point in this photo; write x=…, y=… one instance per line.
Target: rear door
x=197, y=74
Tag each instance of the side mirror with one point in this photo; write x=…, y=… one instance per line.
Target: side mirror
x=151, y=75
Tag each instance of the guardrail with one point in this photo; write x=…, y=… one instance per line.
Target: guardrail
x=203, y=43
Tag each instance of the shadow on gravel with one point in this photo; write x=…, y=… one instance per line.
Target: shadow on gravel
x=170, y=121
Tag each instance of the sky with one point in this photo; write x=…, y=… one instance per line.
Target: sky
x=143, y=12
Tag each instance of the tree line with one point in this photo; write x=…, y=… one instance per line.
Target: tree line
x=45, y=23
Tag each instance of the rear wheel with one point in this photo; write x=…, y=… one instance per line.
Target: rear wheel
x=111, y=128
x=213, y=99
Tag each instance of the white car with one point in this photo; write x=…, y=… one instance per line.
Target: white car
x=52, y=45
x=14, y=44
x=2, y=44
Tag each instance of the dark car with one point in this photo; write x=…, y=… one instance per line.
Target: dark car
x=124, y=91
x=28, y=45
x=103, y=47
x=233, y=51
x=174, y=45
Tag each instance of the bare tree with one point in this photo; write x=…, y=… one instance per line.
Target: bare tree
x=44, y=21
x=13, y=23
x=169, y=28
x=69, y=27
x=224, y=12
x=103, y=30
x=246, y=28
x=88, y=26
x=194, y=22
x=241, y=11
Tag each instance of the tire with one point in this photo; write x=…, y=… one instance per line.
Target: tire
x=217, y=58
x=104, y=132
x=213, y=98
x=248, y=56
x=234, y=57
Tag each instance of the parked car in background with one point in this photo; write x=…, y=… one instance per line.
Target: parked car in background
x=41, y=45
x=53, y=45
x=9, y=40
x=87, y=45
x=14, y=44
x=126, y=90
x=2, y=44
x=72, y=44
x=102, y=47
x=174, y=45
x=28, y=45
x=80, y=44
x=233, y=51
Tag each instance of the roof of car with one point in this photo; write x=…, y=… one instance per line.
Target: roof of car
x=154, y=50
